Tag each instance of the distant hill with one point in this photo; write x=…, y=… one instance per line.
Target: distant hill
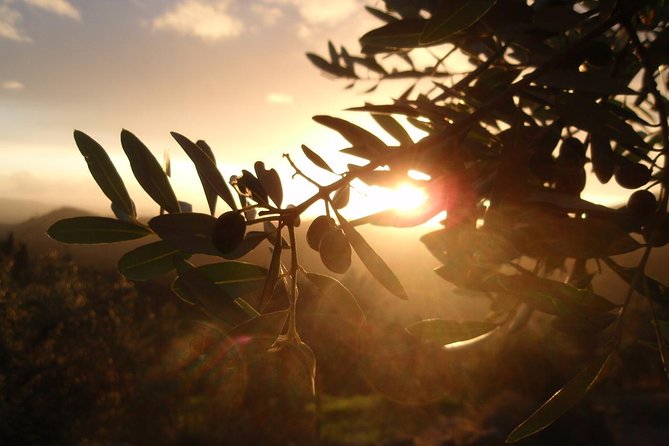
x=13, y=210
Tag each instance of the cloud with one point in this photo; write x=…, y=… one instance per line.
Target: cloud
x=208, y=20
x=12, y=85
x=268, y=15
x=59, y=7
x=10, y=24
x=322, y=12
x=279, y=98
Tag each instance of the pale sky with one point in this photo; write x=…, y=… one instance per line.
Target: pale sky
x=232, y=72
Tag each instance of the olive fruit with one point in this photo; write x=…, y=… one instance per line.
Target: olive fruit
x=229, y=231
x=335, y=251
x=632, y=175
x=660, y=230
x=317, y=229
x=641, y=204
x=572, y=150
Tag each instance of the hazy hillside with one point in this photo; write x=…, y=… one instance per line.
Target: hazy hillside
x=13, y=211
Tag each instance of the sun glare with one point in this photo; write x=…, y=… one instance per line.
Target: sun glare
x=404, y=197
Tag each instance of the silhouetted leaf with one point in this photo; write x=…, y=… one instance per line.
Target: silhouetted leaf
x=253, y=185
x=270, y=181
x=564, y=399
x=452, y=17
x=187, y=232
x=316, y=159
x=589, y=81
x=556, y=17
x=201, y=291
x=236, y=279
x=148, y=172
x=148, y=261
x=334, y=57
x=394, y=128
x=89, y=230
x=593, y=117
x=205, y=165
x=267, y=326
x=399, y=34
x=104, y=173
x=381, y=15
x=341, y=302
x=328, y=67
x=250, y=242
x=359, y=137
x=209, y=192
x=399, y=219
x=446, y=332
x=341, y=197
x=603, y=158
x=372, y=261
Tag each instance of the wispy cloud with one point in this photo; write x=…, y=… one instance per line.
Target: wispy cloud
x=10, y=24
x=321, y=12
x=12, y=85
x=59, y=7
x=11, y=18
x=208, y=20
x=279, y=98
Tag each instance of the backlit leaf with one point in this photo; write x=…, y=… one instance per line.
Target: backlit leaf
x=148, y=172
x=234, y=278
x=205, y=165
x=104, y=173
x=270, y=181
x=645, y=285
x=394, y=128
x=372, y=261
x=564, y=399
x=399, y=34
x=336, y=299
x=251, y=241
x=148, y=261
x=453, y=16
x=87, y=230
x=316, y=159
x=187, y=232
x=272, y=273
x=202, y=292
x=359, y=137
x=589, y=81
x=249, y=182
x=446, y=332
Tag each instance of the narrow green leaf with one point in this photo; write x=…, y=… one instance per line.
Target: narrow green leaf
x=189, y=232
x=359, y=137
x=398, y=34
x=205, y=294
x=394, y=128
x=398, y=219
x=148, y=261
x=446, y=332
x=236, y=279
x=316, y=159
x=328, y=67
x=381, y=15
x=209, y=192
x=148, y=172
x=334, y=57
x=645, y=285
x=372, y=261
x=206, y=168
x=250, y=242
x=453, y=16
x=564, y=399
x=104, y=173
x=89, y=230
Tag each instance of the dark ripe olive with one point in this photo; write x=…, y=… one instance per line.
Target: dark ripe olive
x=229, y=231
x=632, y=176
x=658, y=235
x=335, y=251
x=641, y=204
x=293, y=219
x=317, y=229
x=572, y=150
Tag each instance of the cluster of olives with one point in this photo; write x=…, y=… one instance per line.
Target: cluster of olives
x=641, y=206
x=229, y=231
x=331, y=243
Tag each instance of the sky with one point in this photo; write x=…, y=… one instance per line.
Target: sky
x=231, y=72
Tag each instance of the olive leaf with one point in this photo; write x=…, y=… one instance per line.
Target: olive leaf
x=104, y=173
x=209, y=192
x=393, y=128
x=316, y=159
x=446, y=332
x=270, y=181
x=453, y=16
x=398, y=34
x=189, y=232
x=148, y=172
x=564, y=399
x=359, y=137
x=91, y=230
x=149, y=261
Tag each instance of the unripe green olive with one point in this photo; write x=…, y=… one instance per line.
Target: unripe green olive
x=632, y=175
x=641, y=205
x=335, y=251
x=229, y=231
x=317, y=229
